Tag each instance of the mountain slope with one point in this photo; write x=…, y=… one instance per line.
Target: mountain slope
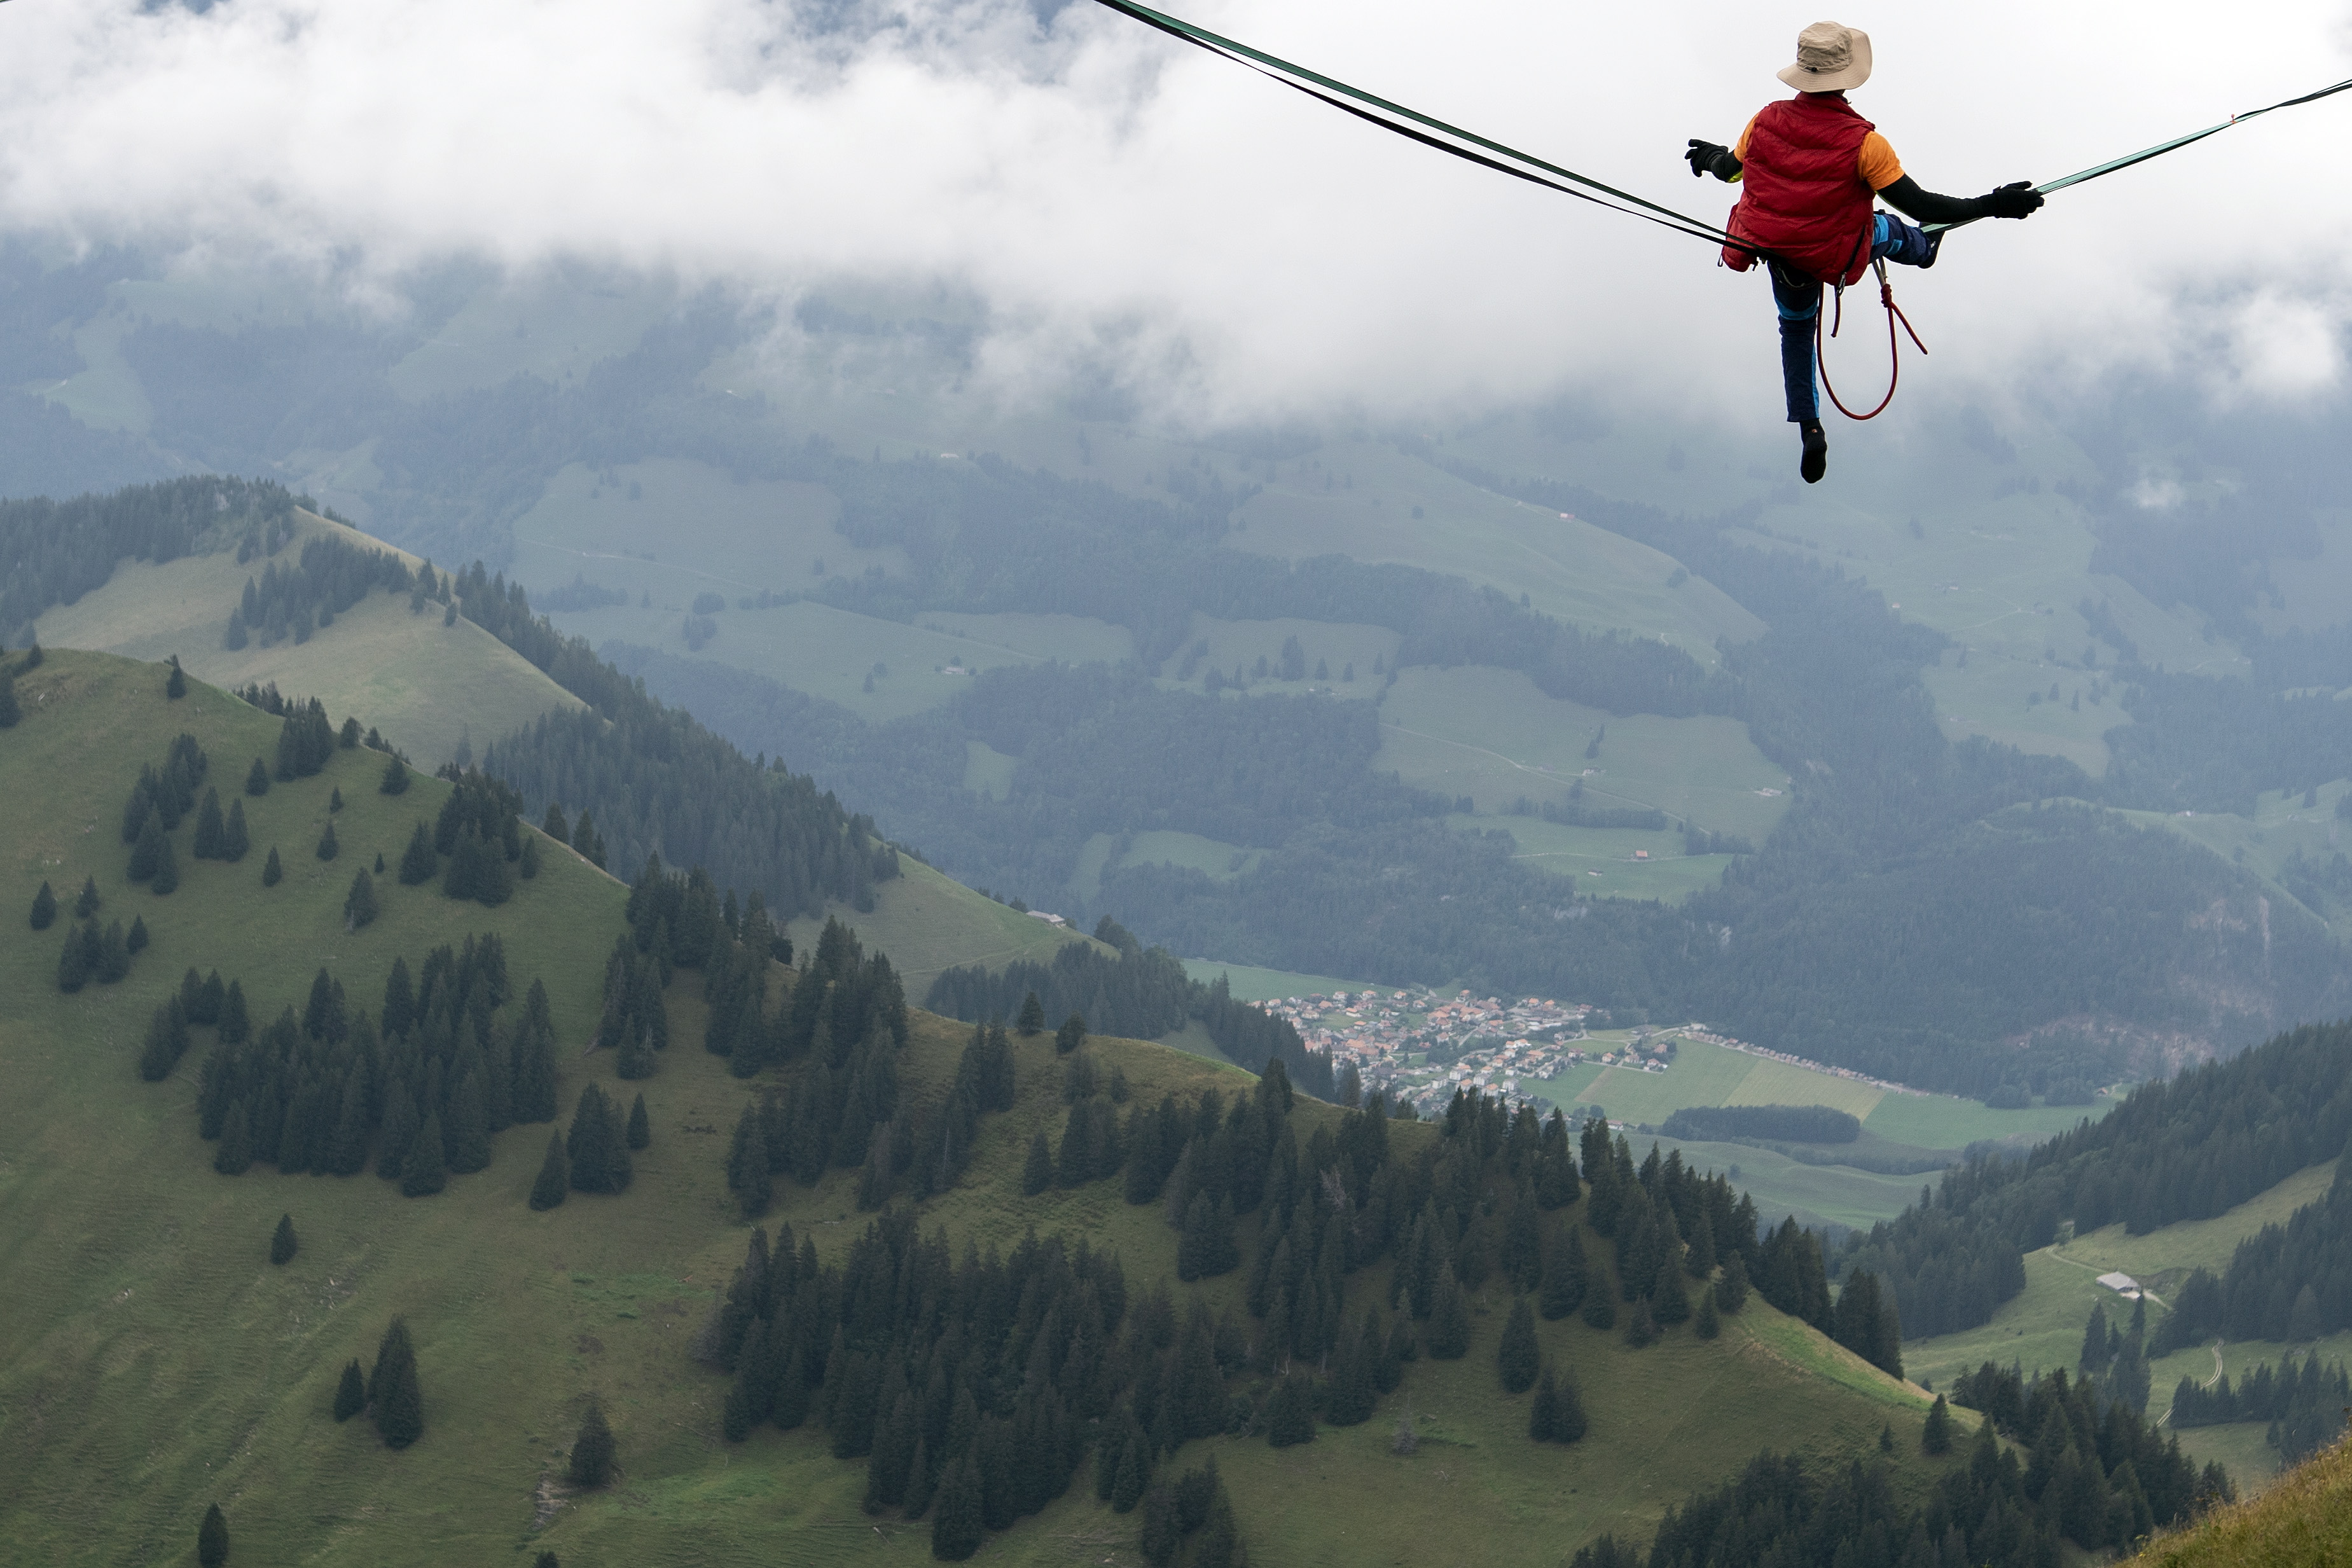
x=146, y=1339
x=425, y=684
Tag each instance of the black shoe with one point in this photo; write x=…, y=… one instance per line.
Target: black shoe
x=1935, y=244
x=1816, y=459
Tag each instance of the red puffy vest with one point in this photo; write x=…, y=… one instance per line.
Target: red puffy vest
x=1802, y=196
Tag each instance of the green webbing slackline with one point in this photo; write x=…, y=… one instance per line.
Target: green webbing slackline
x=1430, y=132
x=1525, y=166
x=2161, y=148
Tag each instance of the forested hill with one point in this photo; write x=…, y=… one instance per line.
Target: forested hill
x=647, y=776
x=2189, y=1148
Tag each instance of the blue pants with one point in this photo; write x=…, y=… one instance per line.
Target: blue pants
x=1799, y=297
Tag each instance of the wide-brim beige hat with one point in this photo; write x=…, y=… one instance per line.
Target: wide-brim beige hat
x=1831, y=57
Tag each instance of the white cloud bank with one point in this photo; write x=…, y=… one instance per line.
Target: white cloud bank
x=1235, y=249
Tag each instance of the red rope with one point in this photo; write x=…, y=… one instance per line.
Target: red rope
x=1893, y=345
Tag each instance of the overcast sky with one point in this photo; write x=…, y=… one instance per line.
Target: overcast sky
x=1224, y=244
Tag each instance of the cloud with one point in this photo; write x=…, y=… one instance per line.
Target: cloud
x=1223, y=246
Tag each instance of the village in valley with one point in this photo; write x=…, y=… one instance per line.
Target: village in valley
x=1419, y=1045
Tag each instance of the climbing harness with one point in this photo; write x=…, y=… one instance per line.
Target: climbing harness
x=1478, y=150
x=1893, y=348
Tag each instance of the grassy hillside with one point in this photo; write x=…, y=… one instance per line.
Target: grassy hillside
x=2303, y=1522
x=927, y=922
x=151, y=1361
x=423, y=685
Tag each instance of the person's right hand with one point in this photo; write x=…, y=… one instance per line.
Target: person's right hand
x=2018, y=201
x=1703, y=155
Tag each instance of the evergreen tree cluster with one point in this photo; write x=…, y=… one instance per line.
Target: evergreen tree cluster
x=968, y=1385
x=2186, y=1148
x=1192, y=1507
x=331, y=577
x=1142, y=994
x=2096, y=1472
x=105, y=956
x=53, y=552
x=2286, y=1282
x=582, y=836
x=425, y=1090
x=2304, y=1404
x=2115, y=1360
x=162, y=797
x=596, y=1147
x=306, y=739
x=656, y=780
x=1670, y=1224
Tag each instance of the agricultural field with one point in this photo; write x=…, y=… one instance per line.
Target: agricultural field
x=425, y=685
x=150, y=1339
x=1491, y=734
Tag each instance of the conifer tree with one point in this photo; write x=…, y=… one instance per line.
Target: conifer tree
x=418, y=861
x=1448, y=1338
x=257, y=778
x=1516, y=1358
x=359, y=905
x=1937, y=1436
x=86, y=902
x=136, y=941
x=335, y=799
x=45, y=908
x=1070, y=1036
x=394, y=1389
x=528, y=867
x=1130, y=1479
x=588, y=841
x=212, y=1535
x=1032, y=1020
x=10, y=709
x=592, y=1449
x=282, y=1242
x=234, y=838
x=167, y=1040
x=272, y=871
x=554, y=1175
x=328, y=848
x=1290, y=1414
x=205, y=844
x=234, y=1155
x=956, y=1529
x=1668, y=1304
x=114, y=959
x=1708, y=1323
x=1568, y=1416
x=641, y=1130
x=466, y=1132
x=234, y=1026
x=1642, y=1328
x=147, y=851
x=1543, y=1410
x=351, y=1394
x=395, y=776
x=175, y=686
x=167, y=868
x=1038, y=1174
x=1731, y=1290
x=554, y=826
x=1561, y=1289
x=425, y=1171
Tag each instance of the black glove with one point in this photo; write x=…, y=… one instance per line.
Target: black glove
x=2018, y=201
x=1711, y=157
